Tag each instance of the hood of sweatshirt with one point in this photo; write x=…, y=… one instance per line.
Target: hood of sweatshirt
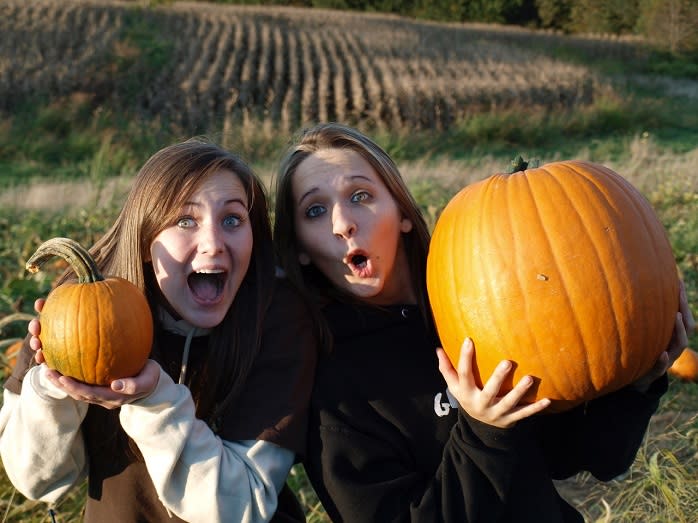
x=181, y=328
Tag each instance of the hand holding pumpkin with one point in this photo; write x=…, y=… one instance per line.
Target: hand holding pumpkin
x=683, y=328
x=486, y=404
x=679, y=340
x=121, y=391
x=34, y=328
x=95, y=329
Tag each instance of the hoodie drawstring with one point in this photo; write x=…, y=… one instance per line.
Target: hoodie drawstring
x=182, y=328
x=185, y=357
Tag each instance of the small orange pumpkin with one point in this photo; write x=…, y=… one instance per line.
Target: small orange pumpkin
x=564, y=270
x=97, y=329
x=685, y=367
x=10, y=351
x=10, y=347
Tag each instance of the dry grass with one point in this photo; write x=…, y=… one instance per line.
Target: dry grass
x=662, y=484
x=651, y=169
x=228, y=66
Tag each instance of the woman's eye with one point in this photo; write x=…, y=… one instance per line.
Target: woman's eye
x=186, y=222
x=360, y=196
x=232, y=221
x=314, y=211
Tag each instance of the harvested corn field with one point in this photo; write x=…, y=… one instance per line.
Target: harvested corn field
x=211, y=66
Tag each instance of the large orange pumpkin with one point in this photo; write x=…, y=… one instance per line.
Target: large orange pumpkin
x=97, y=329
x=564, y=270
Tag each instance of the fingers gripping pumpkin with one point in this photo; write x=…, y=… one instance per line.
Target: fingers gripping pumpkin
x=97, y=329
x=563, y=269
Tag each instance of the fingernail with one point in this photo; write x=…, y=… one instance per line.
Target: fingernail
x=117, y=385
x=505, y=365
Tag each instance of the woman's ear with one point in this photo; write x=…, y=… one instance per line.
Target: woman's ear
x=303, y=258
x=405, y=225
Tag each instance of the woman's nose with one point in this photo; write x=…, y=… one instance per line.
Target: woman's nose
x=343, y=222
x=210, y=240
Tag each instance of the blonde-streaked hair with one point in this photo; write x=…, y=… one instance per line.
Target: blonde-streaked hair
x=339, y=136
x=165, y=182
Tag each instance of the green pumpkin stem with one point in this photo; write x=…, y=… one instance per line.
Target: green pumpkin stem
x=518, y=164
x=76, y=255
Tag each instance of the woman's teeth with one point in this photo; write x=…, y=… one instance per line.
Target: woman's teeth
x=207, y=284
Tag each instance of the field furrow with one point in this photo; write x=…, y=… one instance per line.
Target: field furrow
x=211, y=67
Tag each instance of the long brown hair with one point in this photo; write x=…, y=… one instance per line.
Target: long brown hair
x=338, y=136
x=163, y=184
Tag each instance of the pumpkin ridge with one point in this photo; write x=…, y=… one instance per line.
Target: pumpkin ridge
x=597, y=262
x=78, y=361
x=562, y=201
x=557, y=380
x=629, y=196
x=453, y=236
x=611, y=193
x=520, y=198
x=487, y=200
x=100, y=376
x=646, y=215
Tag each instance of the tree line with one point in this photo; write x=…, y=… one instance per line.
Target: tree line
x=669, y=25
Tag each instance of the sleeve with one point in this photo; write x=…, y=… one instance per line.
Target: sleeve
x=197, y=475
x=359, y=477
x=605, y=433
x=41, y=443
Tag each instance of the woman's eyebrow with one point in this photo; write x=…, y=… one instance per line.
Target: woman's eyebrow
x=225, y=202
x=306, y=194
x=353, y=178
x=236, y=200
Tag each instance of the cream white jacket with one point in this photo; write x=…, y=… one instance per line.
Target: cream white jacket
x=197, y=475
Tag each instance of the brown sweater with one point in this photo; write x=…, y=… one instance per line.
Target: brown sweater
x=272, y=407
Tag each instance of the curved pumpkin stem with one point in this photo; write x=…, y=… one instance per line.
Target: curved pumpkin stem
x=71, y=251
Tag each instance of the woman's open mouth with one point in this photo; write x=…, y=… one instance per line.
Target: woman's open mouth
x=359, y=264
x=207, y=285
x=359, y=261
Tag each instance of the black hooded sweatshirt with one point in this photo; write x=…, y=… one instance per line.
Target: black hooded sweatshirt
x=386, y=444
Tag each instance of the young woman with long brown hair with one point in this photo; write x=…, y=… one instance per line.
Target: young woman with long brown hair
x=210, y=428
x=392, y=436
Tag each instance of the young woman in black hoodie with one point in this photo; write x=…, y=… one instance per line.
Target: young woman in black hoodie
x=393, y=437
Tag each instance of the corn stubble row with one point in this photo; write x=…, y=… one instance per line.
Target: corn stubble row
x=228, y=65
